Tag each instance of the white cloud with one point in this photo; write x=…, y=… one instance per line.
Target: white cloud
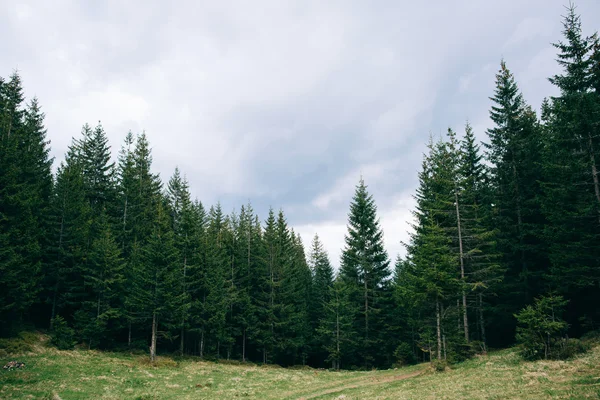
x=528, y=30
x=282, y=103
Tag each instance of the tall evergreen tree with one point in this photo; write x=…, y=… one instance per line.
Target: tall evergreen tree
x=571, y=185
x=364, y=269
x=514, y=152
x=25, y=187
x=154, y=294
x=322, y=286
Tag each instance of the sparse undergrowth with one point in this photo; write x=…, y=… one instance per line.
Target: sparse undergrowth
x=79, y=374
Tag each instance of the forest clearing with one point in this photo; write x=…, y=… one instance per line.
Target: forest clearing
x=84, y=374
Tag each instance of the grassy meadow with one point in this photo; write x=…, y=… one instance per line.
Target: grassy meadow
x=82, y=374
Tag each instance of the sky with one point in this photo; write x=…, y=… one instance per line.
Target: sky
x=285, y=104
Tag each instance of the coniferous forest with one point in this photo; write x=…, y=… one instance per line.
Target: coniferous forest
x=504, y=246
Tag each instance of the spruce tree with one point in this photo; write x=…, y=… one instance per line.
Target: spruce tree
x=154, y=294
x=25, y=187
x=322, y=286
x=364, y=269
x=514, y=152
x=571, y=200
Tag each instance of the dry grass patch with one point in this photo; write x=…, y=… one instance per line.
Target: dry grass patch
x=78, y=374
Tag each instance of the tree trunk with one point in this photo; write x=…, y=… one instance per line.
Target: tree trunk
x=153, y=343
x=129, y=334
x=366, y=349
x=244, y=346
x=182, y=340
x=438, y=329
x=56, y=287
x=462, y=270
x=482, y=323
x=520, y=228
x=337, y=338
x=202, y=344
x=444, y=344
x=53, y=312
x=594, y=173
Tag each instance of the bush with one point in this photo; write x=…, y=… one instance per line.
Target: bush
x=404, y=354
x=62, y=335
x=540, y=328
x=439, y=365
x=14, y=346
x=569, y=348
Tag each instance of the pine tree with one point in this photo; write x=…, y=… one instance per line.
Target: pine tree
x=364, y=269
x=184, y=226
x=429, y=279
x=322, y=286
x=99, y=318
x=25, y=187
x=69, y=218
x=514, y=152
x=217, y=298
x=571, y=200
x=142, y=189
x=247, y=251
x=481, y=258
x=154, y=294
x=336, y=327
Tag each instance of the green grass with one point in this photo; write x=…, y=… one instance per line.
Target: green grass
x=80, y=374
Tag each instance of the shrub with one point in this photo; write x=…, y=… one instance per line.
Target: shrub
x=404, y=354
x=568, y=348
x=62, y=335
x=439, y=365
x=541, y=328
x=14, y=346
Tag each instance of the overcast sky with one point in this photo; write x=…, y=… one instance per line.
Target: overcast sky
x=283, y=103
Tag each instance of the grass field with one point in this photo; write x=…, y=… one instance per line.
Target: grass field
x=80, y=374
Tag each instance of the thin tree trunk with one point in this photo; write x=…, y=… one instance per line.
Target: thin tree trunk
x=439, y=329
x=98, y=308
x=337, y=332
x=182, y=340
x=520, y=226
x=366, y=319
x=444, y=344
x=244, y=346
x=482, y=323
x=129, y=333
x=56, y=287
x=124, y=222
x=53, y=312
x=594, y=173
x=462, y=269
x=202, y=344
x=153, y=343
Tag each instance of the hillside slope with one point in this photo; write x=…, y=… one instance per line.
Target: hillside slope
x=79, y=374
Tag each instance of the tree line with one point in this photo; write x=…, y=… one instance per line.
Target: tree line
x=107, y=254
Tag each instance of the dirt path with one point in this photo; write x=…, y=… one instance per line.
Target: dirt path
x=355, y=385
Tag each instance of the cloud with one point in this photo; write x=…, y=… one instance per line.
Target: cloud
x=284, y=104
x=528, y=30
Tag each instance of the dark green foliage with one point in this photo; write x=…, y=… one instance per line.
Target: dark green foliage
x=514, y=151
x=364, y=272
x=113, y=260
x=541, y=328
x=404, y=354
x=25, y=187
x=571, y=190
x=62, y=336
